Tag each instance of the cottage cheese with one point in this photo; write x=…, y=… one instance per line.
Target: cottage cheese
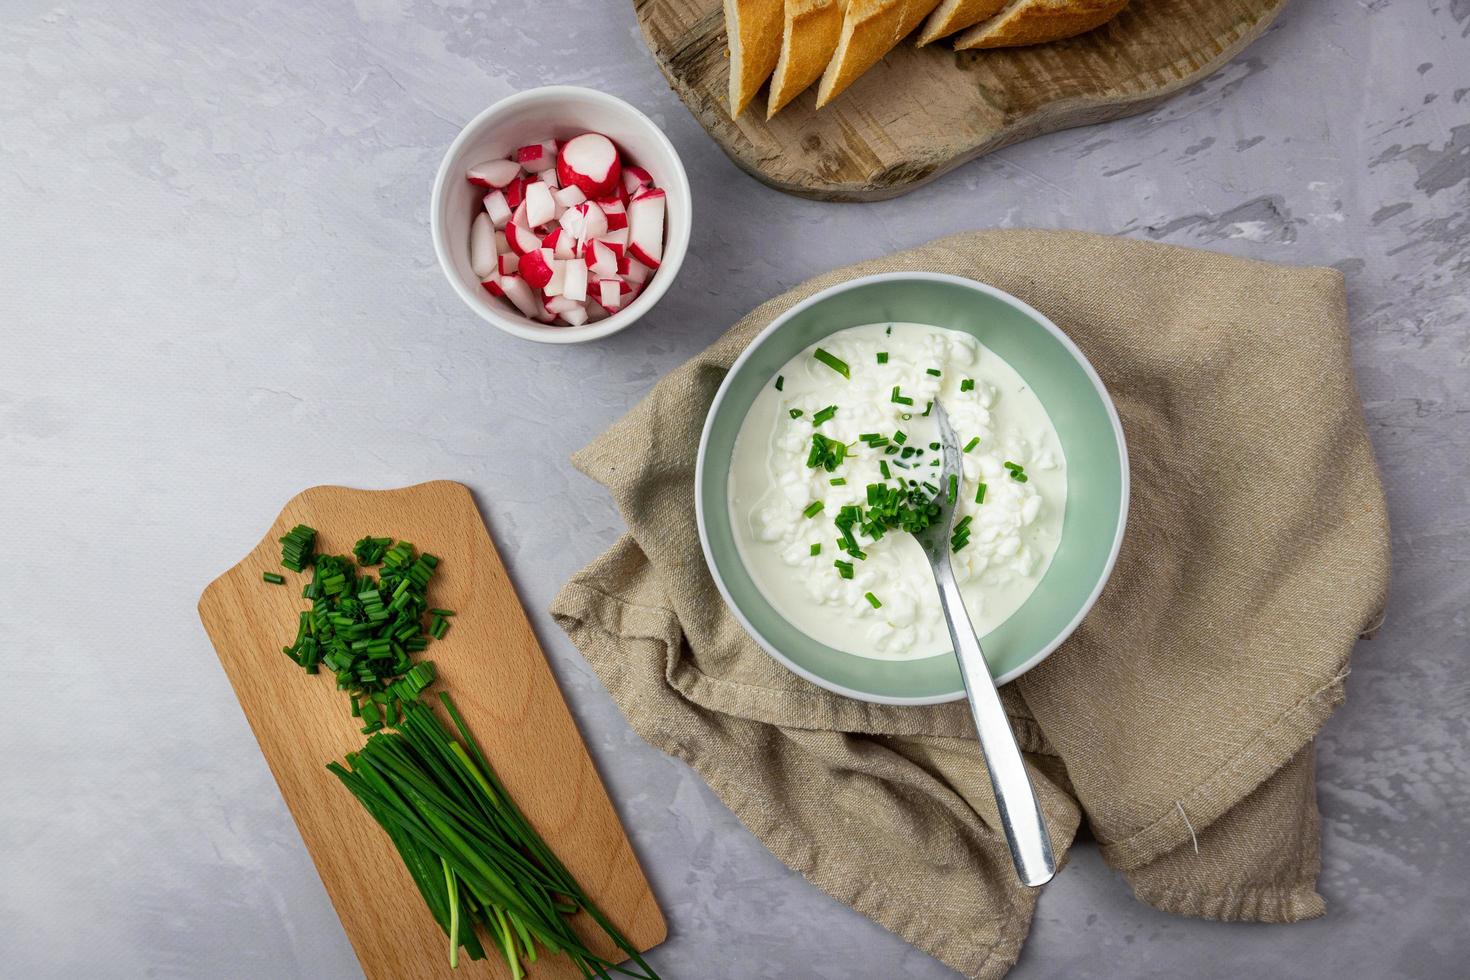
x=1014, y=532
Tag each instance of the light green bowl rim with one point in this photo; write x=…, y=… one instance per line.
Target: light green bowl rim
x=942, y=677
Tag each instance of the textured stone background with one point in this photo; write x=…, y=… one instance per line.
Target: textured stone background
x=218, y=289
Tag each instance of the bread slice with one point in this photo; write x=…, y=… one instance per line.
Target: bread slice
x=913, y=12
x=754, y=31
x=810, y=29
x=1038, y=21
x=954, y=15
x=869, y=31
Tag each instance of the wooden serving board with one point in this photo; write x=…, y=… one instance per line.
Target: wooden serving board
x=924, y=111
x=493, y=667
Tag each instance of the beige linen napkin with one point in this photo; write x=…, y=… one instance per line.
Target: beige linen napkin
x=1178, y=720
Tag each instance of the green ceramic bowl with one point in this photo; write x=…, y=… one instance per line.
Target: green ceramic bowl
x=1085, y=419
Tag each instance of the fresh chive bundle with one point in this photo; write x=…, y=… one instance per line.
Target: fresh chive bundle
x=297, y=547
x=475, y=858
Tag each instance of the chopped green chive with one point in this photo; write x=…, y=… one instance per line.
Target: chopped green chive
x=844, y=568
x=1018, y=472
x=817, y=548
x=272, y=578
x=297, y=547
x=900, y=437
x=934, y=371
x=883, y=468
x=795, y=413
x=933, y=445
x=889, y=331
x=972, y=444
x=928, y=408
x=826, y=453
x=824, y=415
x=872, y=600
x=840, y=481
x=980, y=494
x=812, y=509
x=780, y=382
x=954, y=488
x=968, y=384
x=929, y=486
x=882, y=357
x=832, y=361
x=899, y=398
x=905, y=416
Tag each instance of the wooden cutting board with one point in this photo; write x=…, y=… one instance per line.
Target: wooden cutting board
x=924, y=111
x=493, y=667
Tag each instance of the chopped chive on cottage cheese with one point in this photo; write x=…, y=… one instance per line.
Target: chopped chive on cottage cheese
x=836, y=463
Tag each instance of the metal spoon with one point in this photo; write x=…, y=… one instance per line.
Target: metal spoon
x=1020, y=815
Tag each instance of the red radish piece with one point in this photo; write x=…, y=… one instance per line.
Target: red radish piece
x=493, y=173
x=537, y=156
x=509, y=263
x=502, y=244
x=535, y=267
x=601, y=261
x=575, y=286
x=637, y=273
x=591, y=162
x=623, y=261
x=571, y=220
x=609, y=294
x=615, y=240
x=482, y=245
x=646, y=227
x=498, y=208
x=558, y=278
x=616, y=248
x=635, y=179
x=540, y=205
x=515, y=192
x=569, y=197
x=562, y=305
x=594, y=222
x=521, y=238
x=576, y=316
x=492, y=286
x=616, y=212
x=595, y=311
x=519, y=292
x=551, y=179
x=564, y=247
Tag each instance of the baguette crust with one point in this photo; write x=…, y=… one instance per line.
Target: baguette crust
x=869, y=31
x=954, y=15
x=810, y=31
x=1038, y=21
x=754, y=31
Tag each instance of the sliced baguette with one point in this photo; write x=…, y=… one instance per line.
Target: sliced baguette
x=955, y=15
x=869, y=31
x=1025, y=22
x=810, y=29
x=913, y=12
x=754, y=31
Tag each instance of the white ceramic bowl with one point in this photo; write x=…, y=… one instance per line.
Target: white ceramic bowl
x=554, y=112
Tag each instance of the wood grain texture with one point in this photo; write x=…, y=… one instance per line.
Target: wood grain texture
x=492, y=665
x=921, y=112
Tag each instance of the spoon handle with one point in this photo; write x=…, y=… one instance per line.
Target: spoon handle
x=1020, y=814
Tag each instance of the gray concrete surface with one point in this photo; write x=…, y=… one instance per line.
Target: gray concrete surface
x=216, y=288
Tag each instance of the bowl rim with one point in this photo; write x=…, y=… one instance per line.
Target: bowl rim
x=911, y=276
x=528, y=329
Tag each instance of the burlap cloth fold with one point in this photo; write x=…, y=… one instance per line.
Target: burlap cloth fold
x=1178, y=719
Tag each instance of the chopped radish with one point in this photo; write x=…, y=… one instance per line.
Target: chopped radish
x=558, y=278
x=575, y=286
x=562, y=245
x=569, y=197
x=482, y=245
x=616, y=240
x=540, y=205
x=521, y=238
x=509, y=263
x=646, y=227
x=537, y=157
x=552, y=180
x=519, y=215
x=616, y=212
x=498, y=208
x=536, y=267
x=623, y=265
x=635, y=179
x=519, y=292
x=561, y=304
x=502, y=244
x=595, y=311
x=492, y=286
x=515, y=192
x=576, y=316
x=601, y=261
x=571, y=220
x=609, y=293
x=493, y=173
x=591, y=162
x=594, y=222
x=637, y=273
